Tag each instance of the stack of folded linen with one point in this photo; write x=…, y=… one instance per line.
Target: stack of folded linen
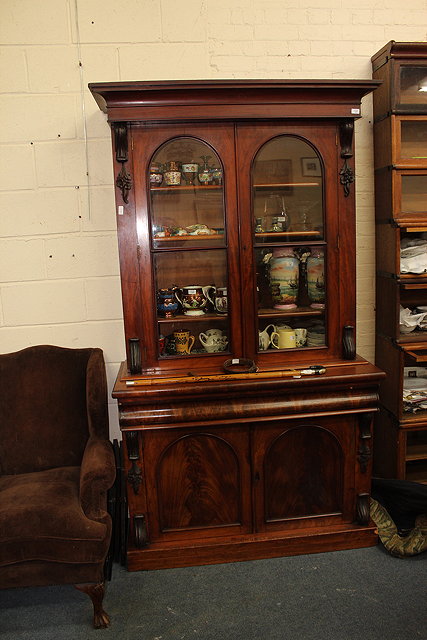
x=413, y=255
x=414, y=389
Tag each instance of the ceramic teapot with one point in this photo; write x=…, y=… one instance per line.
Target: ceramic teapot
x=213, y=340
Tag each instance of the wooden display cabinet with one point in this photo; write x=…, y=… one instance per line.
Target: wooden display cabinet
x=400, y=134
x=236, y=228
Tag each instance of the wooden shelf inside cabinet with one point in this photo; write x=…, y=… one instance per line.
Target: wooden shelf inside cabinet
x=280, y=313
x=413, y=228
x=183, y=318
x=417, y=355
x=416, y=420
x=415, y=222
x=185, y=187
x=177, y=238
x=416, y=452
x=284, y=185
x=412, y=281
x=274, y=235
x=408, y=338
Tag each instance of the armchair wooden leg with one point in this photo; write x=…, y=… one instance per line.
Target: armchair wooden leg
x=96, y=592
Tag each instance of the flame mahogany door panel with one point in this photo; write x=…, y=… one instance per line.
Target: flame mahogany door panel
x=197, y=482
x=303, y=472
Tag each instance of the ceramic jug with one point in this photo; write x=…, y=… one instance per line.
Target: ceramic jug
x=194, y=299
x=264, y=337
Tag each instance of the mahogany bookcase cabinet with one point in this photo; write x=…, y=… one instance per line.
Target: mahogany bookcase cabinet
x=236, y=229
x=400, y=141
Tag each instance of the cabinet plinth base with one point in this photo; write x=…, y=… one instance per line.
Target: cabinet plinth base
x=256, y=547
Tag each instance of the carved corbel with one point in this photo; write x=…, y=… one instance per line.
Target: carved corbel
x=346, y=143
x=124, y=179
x=364, y=453
x=134, y=474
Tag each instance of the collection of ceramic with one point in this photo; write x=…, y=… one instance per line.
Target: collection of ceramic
x=192, y=300
x=282, y=337
x=172, y=173
x=160, y=231
x=284, y=266
x=181, y=342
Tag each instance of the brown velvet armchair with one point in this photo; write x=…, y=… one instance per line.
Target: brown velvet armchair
x=56, y=466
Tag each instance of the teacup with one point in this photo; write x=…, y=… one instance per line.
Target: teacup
x=283, y=338
x=184, y=341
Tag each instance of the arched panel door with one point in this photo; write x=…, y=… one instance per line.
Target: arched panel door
x=199, y=481
x=191, y=491
x=303, y=474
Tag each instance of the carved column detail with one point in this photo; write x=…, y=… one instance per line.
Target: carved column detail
x=135, y=473
x=346, y=142
x=349, y=343
x=362, y=508
x=141, y=535
x=124, y=179
x=364, y=453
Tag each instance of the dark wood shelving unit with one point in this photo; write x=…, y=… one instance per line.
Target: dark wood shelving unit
x=400, y=125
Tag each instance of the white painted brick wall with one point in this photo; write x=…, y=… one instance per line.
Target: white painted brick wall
x=59, y=280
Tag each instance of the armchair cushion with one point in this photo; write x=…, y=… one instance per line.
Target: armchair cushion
x=41, y=519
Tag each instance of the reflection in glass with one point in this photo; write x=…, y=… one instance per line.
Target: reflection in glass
x=291, y=297
x=287, y=191
x=192, y=302
x=414, y=193
x=186, y=195
x=413, y=139
x=413, y=85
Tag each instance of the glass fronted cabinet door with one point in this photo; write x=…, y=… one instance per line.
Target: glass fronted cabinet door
x=288, y=224
x=190, y=210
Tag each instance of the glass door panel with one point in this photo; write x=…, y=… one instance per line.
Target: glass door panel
x=413, y=139
x=413, y=86
x=290, y=252
x=186, y=194
x=414, y=194
x=192, y=302
x=287, y=191
x=189, y=249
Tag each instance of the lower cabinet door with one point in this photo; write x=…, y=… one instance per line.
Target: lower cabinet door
x=197, y=482
x=304, y=473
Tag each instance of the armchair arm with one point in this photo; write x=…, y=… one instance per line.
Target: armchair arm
x=97, y=475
